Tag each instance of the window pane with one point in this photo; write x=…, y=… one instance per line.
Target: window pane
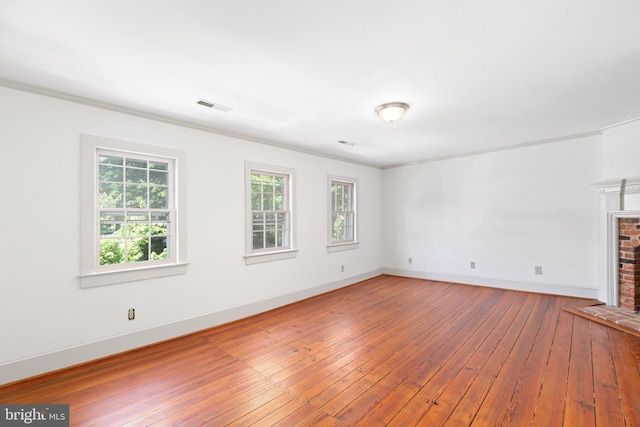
x=137, y=225
x=338, y=197
x=110, y=160
x=258, y=224
x=110, y=195
x=159, y=248
x=347, y=204
x=111, y=216
x=270, y=239
x=109, y=228
x=136, y=196
x=268, y=199
x=110, y=173
x=138, y=176
x=348, y=233
x=281, y=217
x=279, y=182
x=137, y=249
x=346, y=199
x=256, y=184
x=270, y=221
x=138, y=217
x=137, y=230
x=111, y=251
x=158, y=178
x=258, y=240
x=111, y=223
x=158, y=197
x=256, y=196
x=159, y=166
x=277, y=201
x=338, y=226
x=137, y=163
x=159, y=228
x=160, y=216
x=160, y=223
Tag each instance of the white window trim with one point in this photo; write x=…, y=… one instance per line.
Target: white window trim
x=89, y=274
x=339, y=247
x=277, y=254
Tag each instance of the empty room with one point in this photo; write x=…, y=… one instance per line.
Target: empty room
x=293, y=213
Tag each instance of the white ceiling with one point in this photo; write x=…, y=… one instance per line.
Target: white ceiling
x=479, y=75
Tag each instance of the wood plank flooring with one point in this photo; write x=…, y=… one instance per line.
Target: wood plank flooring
x=388, y=351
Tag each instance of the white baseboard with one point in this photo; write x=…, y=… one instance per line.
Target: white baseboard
x=37, y=365
x=538, y=287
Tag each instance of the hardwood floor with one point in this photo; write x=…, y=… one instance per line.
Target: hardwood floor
x=387, y=351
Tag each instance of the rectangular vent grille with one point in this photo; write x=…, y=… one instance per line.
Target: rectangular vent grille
x=215, y=106
x=350, y=144
x=205, y=103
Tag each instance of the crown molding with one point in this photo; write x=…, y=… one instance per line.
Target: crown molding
x=495, y=150
x=624, y=122
x=11, y=84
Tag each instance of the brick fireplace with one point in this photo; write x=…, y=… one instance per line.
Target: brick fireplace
x=629, y=263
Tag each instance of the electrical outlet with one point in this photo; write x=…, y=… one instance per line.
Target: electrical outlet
x=132, y=313
x=342, y=268
x=473, y=264
x=410, y=260
x=538, y=269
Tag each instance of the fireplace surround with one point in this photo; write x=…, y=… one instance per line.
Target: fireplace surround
x=620, y=243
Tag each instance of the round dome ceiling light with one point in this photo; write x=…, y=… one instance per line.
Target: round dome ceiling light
x=392, y=111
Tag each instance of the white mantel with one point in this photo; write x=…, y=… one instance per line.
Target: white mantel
x=619, y=198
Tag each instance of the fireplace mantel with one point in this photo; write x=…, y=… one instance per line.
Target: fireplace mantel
x=622, y=191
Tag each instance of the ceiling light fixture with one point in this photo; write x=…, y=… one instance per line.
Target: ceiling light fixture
x=392, y=111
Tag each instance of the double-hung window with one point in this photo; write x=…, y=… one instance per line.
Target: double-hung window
x=342, y=213
x=131, y=227
x=135, y=210
x=269, y=213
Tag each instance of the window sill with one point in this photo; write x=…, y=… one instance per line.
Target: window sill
x=342, y=247
x=270, y=256
x=133, y=275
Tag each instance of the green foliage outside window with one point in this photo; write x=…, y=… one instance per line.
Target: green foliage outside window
x=134, y=243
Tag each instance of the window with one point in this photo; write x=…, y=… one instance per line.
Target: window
x=131, y=228
x=269, y=213
x=135, y=210
x=342, y=214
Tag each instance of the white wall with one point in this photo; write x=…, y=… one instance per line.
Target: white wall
x=49, y=322
x=621, y=154
x=508, y=211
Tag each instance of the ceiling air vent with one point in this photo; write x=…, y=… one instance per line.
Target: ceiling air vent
x=350, y=144
x=215, y=106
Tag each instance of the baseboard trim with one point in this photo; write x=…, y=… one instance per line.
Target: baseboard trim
x=42, y=364
x=537, y=287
